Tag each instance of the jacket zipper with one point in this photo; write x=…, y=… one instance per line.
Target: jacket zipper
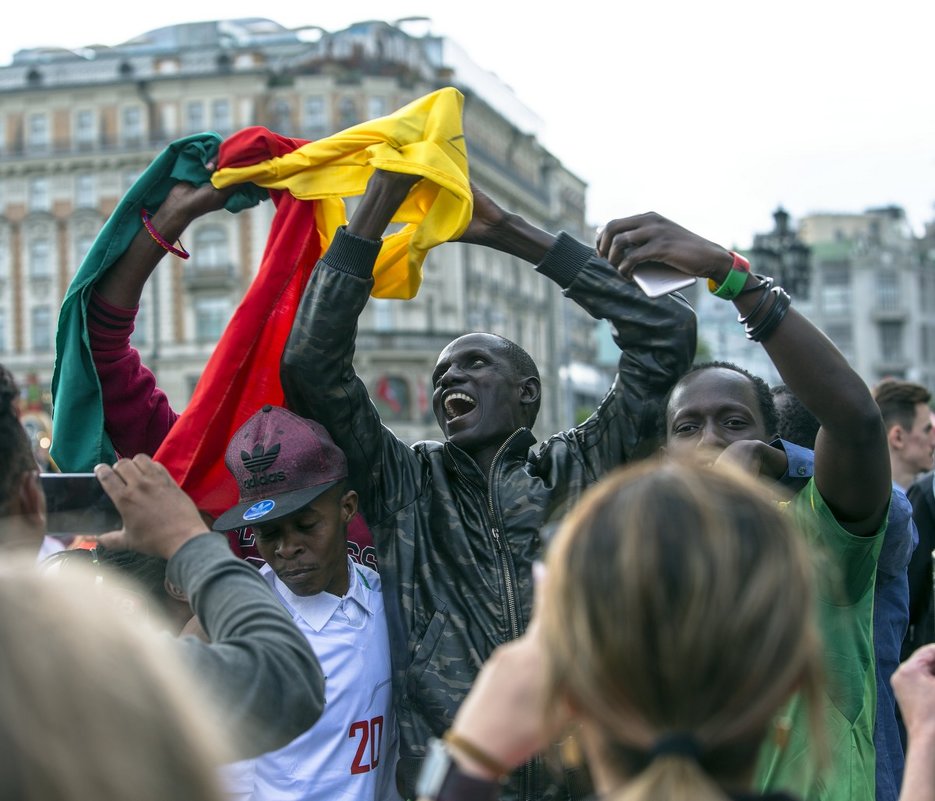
x=513, y=616
x=508, y=581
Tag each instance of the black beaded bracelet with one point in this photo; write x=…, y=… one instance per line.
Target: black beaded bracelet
x=772, y=319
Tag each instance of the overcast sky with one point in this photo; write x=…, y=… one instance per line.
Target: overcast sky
x=710, y=113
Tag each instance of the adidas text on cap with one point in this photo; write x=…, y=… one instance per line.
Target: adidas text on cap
x=281, y=462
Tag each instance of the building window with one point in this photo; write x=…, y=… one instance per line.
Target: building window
x=382, y=314
x=169, y=120
x=927, y=287
x=347, y=112
x=84, y=129
x=84, y=191
x=211, y=317
x=41, y=318
x=222, y=117
x=40, y=260
x=927, y=343
x=314, y=119
x=282, y=117
x=39, y=197
x=888, y=296
x=376, y=107
x=891, y=341
x=38, y=132
x=836, y=288
x=82, y=247
x=391, y=396
x=194, y=116
x=210, y=251
x=132, y=124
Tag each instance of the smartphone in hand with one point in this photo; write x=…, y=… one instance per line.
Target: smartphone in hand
x=77, y=504
x=656, y=278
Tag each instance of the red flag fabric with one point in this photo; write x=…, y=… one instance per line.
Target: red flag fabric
x=243, y=372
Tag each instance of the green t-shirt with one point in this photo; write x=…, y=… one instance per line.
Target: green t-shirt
x=846, y=571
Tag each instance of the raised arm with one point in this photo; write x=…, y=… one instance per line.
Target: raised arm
x=317, y=367
x=122, y=284
x=851, y=459
x=656, y=336
x=137, y=414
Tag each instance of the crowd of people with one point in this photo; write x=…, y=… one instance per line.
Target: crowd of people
x=703, y=591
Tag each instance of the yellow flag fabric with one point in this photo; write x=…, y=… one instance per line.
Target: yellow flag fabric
x=424, y=138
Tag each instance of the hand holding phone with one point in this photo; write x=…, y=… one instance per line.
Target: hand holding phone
x=158, y=517
x=656, y=278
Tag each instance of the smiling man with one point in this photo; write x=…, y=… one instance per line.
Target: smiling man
x=293, y=492
x=456, y=524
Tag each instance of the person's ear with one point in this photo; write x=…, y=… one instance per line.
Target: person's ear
x=896, y=437
x=174, y=592
x=348, y=506
x=530, y=390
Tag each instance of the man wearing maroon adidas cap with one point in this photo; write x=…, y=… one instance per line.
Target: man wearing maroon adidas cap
x=292, y=482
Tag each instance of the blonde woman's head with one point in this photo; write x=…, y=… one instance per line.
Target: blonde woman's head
x=94, y=705
x=679, y=601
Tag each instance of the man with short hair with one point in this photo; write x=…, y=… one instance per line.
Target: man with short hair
x=910, y=435
x=722, y=412
x=456, y=524
x=798, y=428
x=292, y=480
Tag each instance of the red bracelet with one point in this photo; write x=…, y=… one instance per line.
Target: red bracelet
x=158, y=238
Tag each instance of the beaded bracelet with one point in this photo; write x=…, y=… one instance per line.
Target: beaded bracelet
x=775, y=315
x=160, y=240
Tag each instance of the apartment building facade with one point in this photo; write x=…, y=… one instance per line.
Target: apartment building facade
x=77, y=129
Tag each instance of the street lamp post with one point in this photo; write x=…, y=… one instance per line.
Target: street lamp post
x=781, y=254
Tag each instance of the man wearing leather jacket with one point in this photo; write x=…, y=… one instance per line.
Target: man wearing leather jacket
x=457, y=524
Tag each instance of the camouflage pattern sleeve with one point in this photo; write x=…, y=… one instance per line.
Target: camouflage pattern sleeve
x=657, y=340
x=320, y=383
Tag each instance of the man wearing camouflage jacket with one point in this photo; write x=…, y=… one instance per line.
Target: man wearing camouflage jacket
x=457, y=524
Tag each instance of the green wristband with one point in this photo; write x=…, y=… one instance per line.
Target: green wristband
x=735, y=282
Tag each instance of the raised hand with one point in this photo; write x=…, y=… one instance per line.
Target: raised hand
x=158, y=517
x=487, y=219
x=629, y=241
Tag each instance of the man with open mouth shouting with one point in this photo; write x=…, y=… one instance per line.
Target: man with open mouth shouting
x=457, y=524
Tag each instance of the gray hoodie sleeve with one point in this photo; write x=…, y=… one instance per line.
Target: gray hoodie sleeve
x=258, y=668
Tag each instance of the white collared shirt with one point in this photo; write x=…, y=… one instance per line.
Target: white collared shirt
x=350, y=753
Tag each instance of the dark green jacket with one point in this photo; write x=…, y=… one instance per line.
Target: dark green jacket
x=455, y=547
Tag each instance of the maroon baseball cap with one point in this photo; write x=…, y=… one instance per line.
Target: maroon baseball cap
x=281, y=463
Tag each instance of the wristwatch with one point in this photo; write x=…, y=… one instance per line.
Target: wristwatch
x=440, y=779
